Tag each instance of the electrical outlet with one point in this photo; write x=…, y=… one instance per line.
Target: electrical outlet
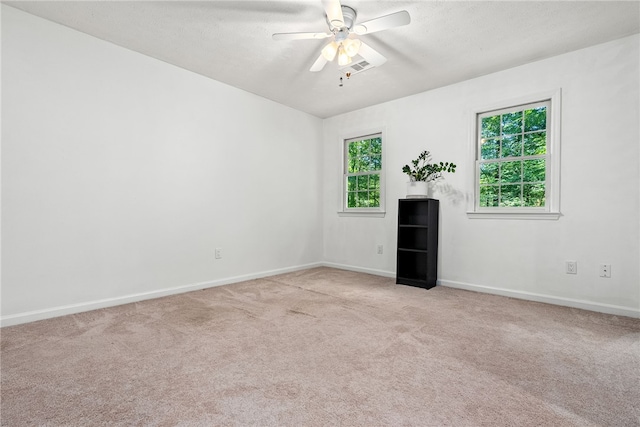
x=572, y=267
x=218, y=253
x=605, y=270
x=380, y=249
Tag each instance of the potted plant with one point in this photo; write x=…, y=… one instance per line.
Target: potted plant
x=422, y=172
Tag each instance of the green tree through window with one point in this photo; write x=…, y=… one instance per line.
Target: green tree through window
x=363, y=165
x=512, y=157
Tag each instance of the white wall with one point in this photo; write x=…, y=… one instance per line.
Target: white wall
x=121, y=174
x=522, y=258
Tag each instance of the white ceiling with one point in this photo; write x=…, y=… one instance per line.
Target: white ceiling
x=446, y=42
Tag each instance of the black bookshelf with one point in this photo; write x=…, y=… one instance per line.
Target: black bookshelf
x=417, y=255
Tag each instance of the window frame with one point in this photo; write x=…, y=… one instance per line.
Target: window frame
x=551, y=210
x=368, y=212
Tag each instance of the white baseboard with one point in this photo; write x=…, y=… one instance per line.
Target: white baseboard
x=32, y=316
x=529, y=296
x=360, y=269
x=567, y=302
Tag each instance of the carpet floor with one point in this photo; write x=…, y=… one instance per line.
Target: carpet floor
x=323, y=347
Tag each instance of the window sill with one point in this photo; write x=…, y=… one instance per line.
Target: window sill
x=370, y=214
x=515, y=215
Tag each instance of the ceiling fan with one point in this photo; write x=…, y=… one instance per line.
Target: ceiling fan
x=342, y=23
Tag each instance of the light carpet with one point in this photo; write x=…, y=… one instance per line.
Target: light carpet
x=324, y=347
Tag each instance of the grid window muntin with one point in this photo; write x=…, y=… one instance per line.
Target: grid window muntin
x=512, y=157
x=363, y=172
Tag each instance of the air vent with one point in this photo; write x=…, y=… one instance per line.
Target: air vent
x=360, y=66
x=356, y=67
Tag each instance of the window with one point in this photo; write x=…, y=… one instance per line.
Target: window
x=363, y=176
x=512, y=157
x=516, y=166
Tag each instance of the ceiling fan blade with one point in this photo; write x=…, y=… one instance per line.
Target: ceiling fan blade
x=300, y=36
x=319, y=64
x=372, y=56
x=397, y=19
x=333, y=9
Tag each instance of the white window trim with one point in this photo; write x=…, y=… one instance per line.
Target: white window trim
x=379, y=212
x=552, y=207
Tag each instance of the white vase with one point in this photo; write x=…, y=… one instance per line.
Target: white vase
x=418, y=190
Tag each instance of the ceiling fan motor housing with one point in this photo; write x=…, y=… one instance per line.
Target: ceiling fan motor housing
x=349, y=17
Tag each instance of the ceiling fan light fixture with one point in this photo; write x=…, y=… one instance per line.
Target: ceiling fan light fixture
x=329, y=51
x=343, y=58
x=352, y=46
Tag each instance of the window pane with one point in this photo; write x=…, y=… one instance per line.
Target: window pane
x=535, y=119
x=512, y=146
x=533, y=195
x=365, y=163
x=351, y=200
x=363, y=147
x=488, y=196
x=362, y=199
x=534, y=170
x=535, y=143
x=374, y=182
x=512, y=123
x=490, y=149
x=352, y=158
x=374, y=199
x=351, y=183
x=363, y=182
x=376, y=146
x=375, y=162
x=510, y=195
x=353, y=149
x=488, y=173
x=511, y=171
x=490, y=126
x=354, y=165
